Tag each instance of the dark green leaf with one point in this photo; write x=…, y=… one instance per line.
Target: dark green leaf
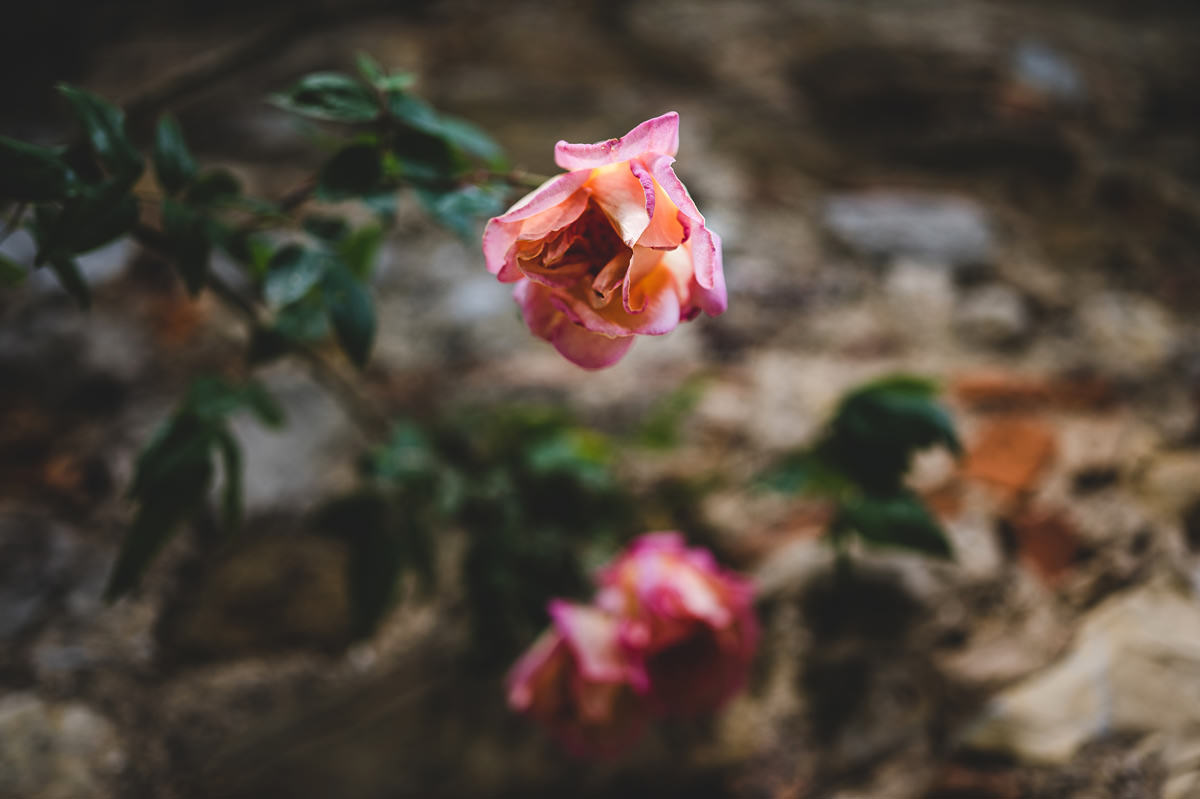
x=267, y=345
x=326, y=228
x=330, y=96
x=292, y=274
x=877, y=429
x=460, y=209
x=358, y=250
x=94, y=217
x=306, y=320
x=231, y=464
x=11, y=272
x=32, y=173
x=383, y=203
x=212, y=399
x=805, y=471
x=187, y=237
x=175, y=498
x=72, y=280
x=104, y=126
x=899, y=520
x=353, y=171
x=352, y=313
x=173, y=163
x=214, y=187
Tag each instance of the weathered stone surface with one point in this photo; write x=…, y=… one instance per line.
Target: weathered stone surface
x=56, y=750
x=940, y=228
x=1134, y=666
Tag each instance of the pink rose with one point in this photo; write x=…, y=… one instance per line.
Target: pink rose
x=687, y=625
x=611, y=249
x=575, y=680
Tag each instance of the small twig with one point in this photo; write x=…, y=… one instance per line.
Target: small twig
x=362, y=410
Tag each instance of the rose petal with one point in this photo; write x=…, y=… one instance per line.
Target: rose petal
x=624, y=199
x=664, y=231
x=531, y=669
x=664, y=175
x=501, y=231
x=706, y=260
x=593, y=638
x=657, y=135
x=660, y=312
x=644, y=261
x=587, y=349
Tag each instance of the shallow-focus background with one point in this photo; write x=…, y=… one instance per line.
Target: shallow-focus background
x=1002, y=195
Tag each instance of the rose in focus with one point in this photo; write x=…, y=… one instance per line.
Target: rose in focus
x=611, y=249
x=670, y=633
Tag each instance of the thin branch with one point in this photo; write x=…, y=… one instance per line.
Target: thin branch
x=362, y=410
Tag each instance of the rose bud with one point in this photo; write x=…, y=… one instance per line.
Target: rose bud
x=611, y=249
x=574, y=680
x=687, y=625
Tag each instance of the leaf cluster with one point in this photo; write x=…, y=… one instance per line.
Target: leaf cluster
x=533, y=492
x=176, y=472
x=862, y=457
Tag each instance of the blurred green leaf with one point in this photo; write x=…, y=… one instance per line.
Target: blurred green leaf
x=414, y=112
x=877, y=429
x=374, y=74
x=11, y=272
x=96, y=216
x=104, y=126
x=32, y=173
x=175, y=498
x=461, y=208
x=355, y=170
x=352, y=312
x=72, y=280
x=305, y=320
x=231, y=463
x=376, y=554
x=187, y=238
x=173, y=163
x=329, y=96
x=474, y=141
x=384, y=203
x=358, y=250
x=293, y=272
x=805, y=471
x=898, y=519
x=212, y=399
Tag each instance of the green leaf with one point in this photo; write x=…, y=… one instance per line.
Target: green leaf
x=459, y=209
x=355, y=170
x=352, y=313
x=330, y=96
x=358, y=250
x=473, y=140
x=214, y=187
x=187, y=237
x=304, y=321
x=96, y=216
x=414, y=112
x=104, y=126
x=11, y=272
x=293, y=273
x=384, y=203
x=72, y=280
x=877, y=429
x=374, y=74
x=32, y=173
x=173, y=163
x=212, y=399
x=231, y=464
x=159, y=514
x=899, y=520
x=805, y=471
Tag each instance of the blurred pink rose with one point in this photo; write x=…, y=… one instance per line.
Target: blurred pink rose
x=687, y=625
x=613, y=248
x=575, y=680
